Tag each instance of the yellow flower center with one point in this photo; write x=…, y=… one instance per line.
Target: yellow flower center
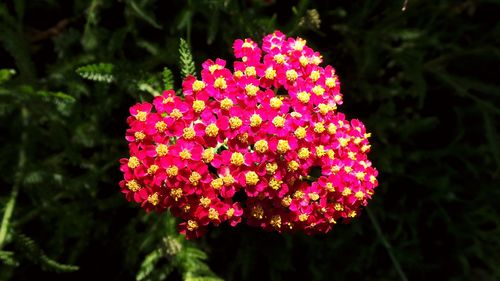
x=346, y=192
x=251, y=178
x=176, y=193
x=214, y=67
x=275, y=102
x=338, y=207
x=283, y=146
x=318, y=90
x=220, y=83
x=251, y=90
x=286, y=201
x=133, y=162
x=320, y=151
x=192, y=225
x=230, y=212
x=275, y=221
x=304, y=153
x=213, y=214
x=176, y=113
x=319, y=127
x=198, y=106
x=261, y=146
x=304, y=97
x=279, y=59
x=323, y=108
x=271, y=168
x=332, y=129
x=238, y=74
x=228, y=180
x=198, y=85
x=235, y=122
x=330, y=82
x=300, y=132
x=162, y=150
x=139, y=136
x=152, y=169
x=293, y=166
x=303, y=60
x=141, y=116
x=359, y=195
x=217, y=183
x=212, y=130
x=303, y=217
x=237, y=159
x=133, y=186
x=291, y=75
x=250, y=71
x=160, y=126
x=313, y=196
x=226, y=104
x=275, y=184
x=299, y=194
x=188, y=133
x=255, y=120
x=205, y=202
x=343, y=141
x=172, y=171
x=194, y=178
x=270, y=73
x=279, y=122
x=299, y=44
x=329, y=186
x=314, y=76
x=153, y=199
x=258, y=212
x=185, y=154
x=352, y=214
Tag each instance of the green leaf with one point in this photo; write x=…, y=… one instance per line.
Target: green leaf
x=186, y=59
x=101, y=72
x=33, y=252
x=168, y=79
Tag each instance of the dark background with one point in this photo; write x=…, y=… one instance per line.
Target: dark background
x=424, y=81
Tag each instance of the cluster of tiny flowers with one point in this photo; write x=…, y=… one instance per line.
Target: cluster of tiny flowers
x=263, y=144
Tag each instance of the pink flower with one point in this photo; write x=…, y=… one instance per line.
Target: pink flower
x=262, y=144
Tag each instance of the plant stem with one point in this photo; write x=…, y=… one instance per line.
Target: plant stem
x=9, y=209
x=386, y=244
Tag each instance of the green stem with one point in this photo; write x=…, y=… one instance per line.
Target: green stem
x=9, y=209
x=386, y=244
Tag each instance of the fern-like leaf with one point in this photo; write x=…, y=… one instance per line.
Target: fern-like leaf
x=101, y=72
x=7, y=258
x=186, y=59
x=32, y=251
x=168, y=79
x=148, y=265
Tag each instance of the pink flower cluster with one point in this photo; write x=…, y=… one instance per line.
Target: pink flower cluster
x=263, y=144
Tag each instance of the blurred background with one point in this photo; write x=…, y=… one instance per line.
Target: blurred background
x=422, y=76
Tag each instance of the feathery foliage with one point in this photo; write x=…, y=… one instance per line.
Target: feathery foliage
x=101, y=72
x=186, y=59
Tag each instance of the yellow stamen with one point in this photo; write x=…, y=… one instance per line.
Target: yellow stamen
x=205, y=202
x=235, y=122
x=255, y=120
x=161, y=150
x=198, y=106
x=261, y=146
x=237, y=159
x=251, y=178
x=212, y=130
x=226, y=104
x=153, y=199
x=283, y=146
x=198, y=85
x=220, y=83
x=133, y=162
x=188, y=133
x=133, y=186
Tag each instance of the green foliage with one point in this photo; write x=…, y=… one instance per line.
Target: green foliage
x=186, y=59
x=168, y=79
x=29, y=249
x=101, y=72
